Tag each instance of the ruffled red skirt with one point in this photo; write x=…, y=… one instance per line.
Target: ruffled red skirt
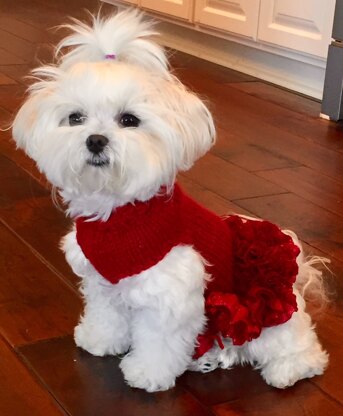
x=264, y=271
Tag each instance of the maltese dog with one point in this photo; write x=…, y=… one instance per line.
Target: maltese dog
x=166, y=283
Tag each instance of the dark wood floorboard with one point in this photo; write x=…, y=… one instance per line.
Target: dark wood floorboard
x=20, y=393
x=316, y=226
x=35, y=303
x=89, y=386
x=232, y=104
x=230, y=181
x=213, y=201
x=303, y=399
x=274, y=158
x=283, y=98
x=310, y=185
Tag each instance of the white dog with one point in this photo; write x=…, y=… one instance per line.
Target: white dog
x=165, y=282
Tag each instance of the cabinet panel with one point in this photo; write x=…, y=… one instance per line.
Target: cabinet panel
x=178, y=8
x=304, y=25
x=237, y=16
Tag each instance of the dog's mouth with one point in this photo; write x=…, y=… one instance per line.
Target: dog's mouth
x=98, y=161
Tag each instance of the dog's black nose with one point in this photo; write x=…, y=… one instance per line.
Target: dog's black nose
x=96, y=143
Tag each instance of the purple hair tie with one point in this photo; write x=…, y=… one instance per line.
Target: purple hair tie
x=110, y=56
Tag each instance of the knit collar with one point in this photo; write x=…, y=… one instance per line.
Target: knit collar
x=137, y=233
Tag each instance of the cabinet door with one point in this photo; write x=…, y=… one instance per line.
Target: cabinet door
x=237, y=16
x=302, y=25
x=177, y=8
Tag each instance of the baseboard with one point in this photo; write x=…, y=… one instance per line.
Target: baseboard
x=304, y=77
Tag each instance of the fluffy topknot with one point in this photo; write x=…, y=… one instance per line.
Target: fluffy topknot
x=126, y=35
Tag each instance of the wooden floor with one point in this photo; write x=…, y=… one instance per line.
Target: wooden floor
x=274, y=159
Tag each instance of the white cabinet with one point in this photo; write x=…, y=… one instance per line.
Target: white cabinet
x=284, y=42
x=302, y=25
x=179, y=8
x=238, y=16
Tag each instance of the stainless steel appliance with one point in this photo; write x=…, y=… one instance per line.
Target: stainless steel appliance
x=332, y=104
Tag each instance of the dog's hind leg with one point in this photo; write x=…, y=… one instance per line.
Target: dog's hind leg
x=289, y=352
x=285, y=353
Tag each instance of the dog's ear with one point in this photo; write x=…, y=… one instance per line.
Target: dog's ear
x=192, y=123
x=38, y=106
x=25, y=129
x=125, y=36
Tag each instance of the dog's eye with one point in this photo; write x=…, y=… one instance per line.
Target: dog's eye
x=75, y=119
x=129, y=120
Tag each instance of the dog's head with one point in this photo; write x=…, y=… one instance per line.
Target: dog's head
x=110, y=120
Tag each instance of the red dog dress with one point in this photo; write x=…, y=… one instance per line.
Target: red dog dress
x=252, y=263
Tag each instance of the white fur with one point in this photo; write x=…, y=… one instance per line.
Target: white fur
x=154, y=317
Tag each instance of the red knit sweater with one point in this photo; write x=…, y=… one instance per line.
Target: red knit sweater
x=252, y=263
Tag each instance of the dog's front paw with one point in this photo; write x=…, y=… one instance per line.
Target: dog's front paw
x=144, y=376
x=99, y=342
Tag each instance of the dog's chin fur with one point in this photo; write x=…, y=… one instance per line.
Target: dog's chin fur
x=159, y=313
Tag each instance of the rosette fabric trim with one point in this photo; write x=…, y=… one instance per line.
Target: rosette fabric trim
x=264, y=271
